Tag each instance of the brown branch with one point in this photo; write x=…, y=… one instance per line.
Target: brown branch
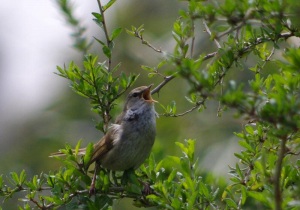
x=140, y=36
x=210, y=55
x=193, y=39
x=37, y=203
x=230, y=30
x=163, y=83
x=108, y=41
x=169, y=78
x=210, y=34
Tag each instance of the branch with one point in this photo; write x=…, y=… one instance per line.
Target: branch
x=230, y=30
x=166, y=80
x=209, y=32
x=169, y=78
x=198, y=104
x=108, y=41
x=193, y=38
x=140, y=36
x=210, y=55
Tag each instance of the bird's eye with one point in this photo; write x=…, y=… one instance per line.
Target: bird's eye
x=135, y=94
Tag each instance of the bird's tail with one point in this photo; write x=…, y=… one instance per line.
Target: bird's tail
x=60, y=153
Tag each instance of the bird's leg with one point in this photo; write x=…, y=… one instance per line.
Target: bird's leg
x=92, y=188
x=147, y=190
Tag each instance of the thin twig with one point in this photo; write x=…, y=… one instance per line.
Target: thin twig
x=140, y=36
x=163, y=83
x=36, y=203
x=210, y=55
x=230, y=30
x=210, y=34
x=193, y=38
x=271, y=54
x=197, y=105
x=108, y=41
x=220, y=104
x=169, y=78
x=267, y=59
x=240, y=25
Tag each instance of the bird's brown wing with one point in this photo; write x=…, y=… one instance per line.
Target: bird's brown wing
x=104, y=145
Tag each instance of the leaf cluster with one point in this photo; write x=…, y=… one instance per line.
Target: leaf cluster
x=177, y=182
x=101, y=86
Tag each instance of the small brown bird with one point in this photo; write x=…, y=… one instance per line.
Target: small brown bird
x=128, y=142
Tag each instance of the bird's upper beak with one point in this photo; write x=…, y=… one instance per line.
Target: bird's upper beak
x=147, y=94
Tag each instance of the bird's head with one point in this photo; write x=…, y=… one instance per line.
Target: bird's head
x=139, y=96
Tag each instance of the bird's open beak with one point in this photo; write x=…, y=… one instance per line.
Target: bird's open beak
x=147, y=94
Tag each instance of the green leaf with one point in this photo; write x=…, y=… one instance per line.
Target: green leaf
x=132, y=33
x=108, y=5
x=99, y=41
x=148, y=68
x=230, y=203
x=88, y=153
x=150, y=75
x=98, y=16
x=191, y=149
x=244, y=194
x=162, y=63
x=204, y=190
x=258, y=196
x=22, y=177
x=14, y=177
x=177, y=28
x=106, y=51
x=244, y=144
x=116, y=32
x=182, y=147
x=172, y=175
x=98, y=19
x=77, y=147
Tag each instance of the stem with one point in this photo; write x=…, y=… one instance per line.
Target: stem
x=277, y=175
x=166, y=80
x=197, y=105
x=193, y=38
x=106, y=112
x=140, y=36
x=210, y=34
x=108, y=41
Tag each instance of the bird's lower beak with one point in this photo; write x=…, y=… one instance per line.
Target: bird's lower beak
x=147, y=95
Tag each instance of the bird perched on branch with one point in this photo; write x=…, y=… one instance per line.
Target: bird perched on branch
x=129, y=141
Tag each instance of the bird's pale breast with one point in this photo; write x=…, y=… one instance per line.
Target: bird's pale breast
x=136, y=136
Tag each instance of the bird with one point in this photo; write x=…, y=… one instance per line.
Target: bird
x=129, y=140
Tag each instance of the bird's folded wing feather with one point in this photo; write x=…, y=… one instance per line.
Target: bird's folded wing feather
x=104, y=145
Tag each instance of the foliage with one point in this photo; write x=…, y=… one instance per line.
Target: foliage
x=267, y=174
x=98, y=84
x=69, y=186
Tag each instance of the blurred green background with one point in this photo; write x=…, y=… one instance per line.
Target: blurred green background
x=39, y=112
